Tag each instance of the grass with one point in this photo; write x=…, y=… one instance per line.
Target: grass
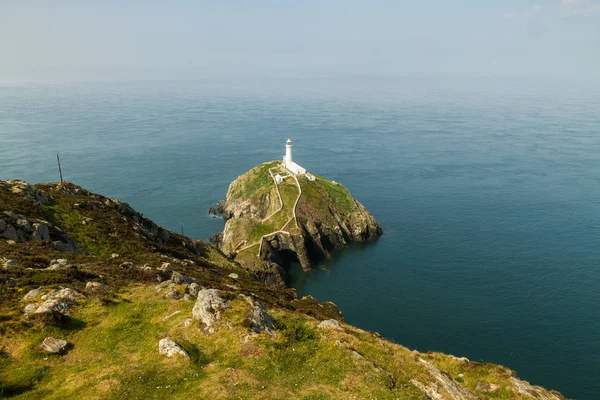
x=115, y=355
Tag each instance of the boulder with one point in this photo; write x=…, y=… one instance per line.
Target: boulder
x=2, y=225
x=193, y=289
x=261, y=320
x=40, y=232
x=8, y=263
x=63, y=294
x=95, y=286
x=32, y=294
x=164, y=272
x=488, y=387
x=114, y=255
x=54, y=305
x=172, y=294
x=169, y=348
x=62, y=262
x=233, y=275
x=212, y=212
x=180, y=279
x=128, y=266
x=208, y=308
x=10, y=233
x=54, y=346
x=23, y=225
x=330, y=324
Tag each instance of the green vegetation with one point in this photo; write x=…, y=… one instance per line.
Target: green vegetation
x=323, y=190
x=114, y=333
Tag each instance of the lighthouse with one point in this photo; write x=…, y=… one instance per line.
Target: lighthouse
x=288, y=151
x=288, y=163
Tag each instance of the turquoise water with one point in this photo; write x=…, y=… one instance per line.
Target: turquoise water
x=488, y=192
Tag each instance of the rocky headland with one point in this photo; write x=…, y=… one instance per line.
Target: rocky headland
x=97, y=301
x=271, y=223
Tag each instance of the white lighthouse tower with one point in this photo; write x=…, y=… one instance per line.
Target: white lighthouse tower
x=287, y=160
x=288, y=151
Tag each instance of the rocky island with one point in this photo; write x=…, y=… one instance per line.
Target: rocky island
x=97, y=301
x=274, y=216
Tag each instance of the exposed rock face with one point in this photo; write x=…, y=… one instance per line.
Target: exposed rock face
x=296, y=225
x=442, y=386
x=169, y=348
x=208, y=308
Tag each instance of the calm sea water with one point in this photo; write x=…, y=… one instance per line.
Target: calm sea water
x=488, y=192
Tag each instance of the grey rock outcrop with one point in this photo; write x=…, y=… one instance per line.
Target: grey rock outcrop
x=261, y=320
x=208, y=308
x=40, y=232
x=169, y=348
x=330, y=324
x=60, y=300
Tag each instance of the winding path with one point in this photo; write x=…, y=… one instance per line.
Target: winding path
x=260, y=241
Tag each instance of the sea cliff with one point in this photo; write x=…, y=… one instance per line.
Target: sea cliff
x=97, y=301
x=274, y=217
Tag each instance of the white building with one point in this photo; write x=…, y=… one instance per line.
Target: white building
x=278, y=178
x=287, y=160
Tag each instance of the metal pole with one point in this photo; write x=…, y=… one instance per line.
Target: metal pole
x=59, y=169
x=181, y=223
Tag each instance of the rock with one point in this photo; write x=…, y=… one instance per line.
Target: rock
x=32, y=294
x=95, y=286
x=69, y=247
x=29, y=309
x=8, y=263
x=40, y=232
x=193, y=289
x=216, y=238
x=114, y=255
x=11, y=242
x=208, y=308
x=233, y=275
x=54, y=305
x=488, y=387
x=330, y=324
x=63, y=262
x=169, y=348
x=164, y=272
x=23, y=225
x=180, y=279
x=187, y=322
x=188, y=297
x=54, y=346
x=212, y=212
x=63, y=294
x=167, y=268
x=147, y=267
x=172, y=294
x=10, y=233
x=261, y=320
x=128, y=266
x=2, y=225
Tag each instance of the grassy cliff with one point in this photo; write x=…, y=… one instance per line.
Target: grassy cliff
x=122, y=312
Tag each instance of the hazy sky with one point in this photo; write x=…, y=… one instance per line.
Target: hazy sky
x=258, y=38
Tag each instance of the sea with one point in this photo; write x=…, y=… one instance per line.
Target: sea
x=487, y=189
